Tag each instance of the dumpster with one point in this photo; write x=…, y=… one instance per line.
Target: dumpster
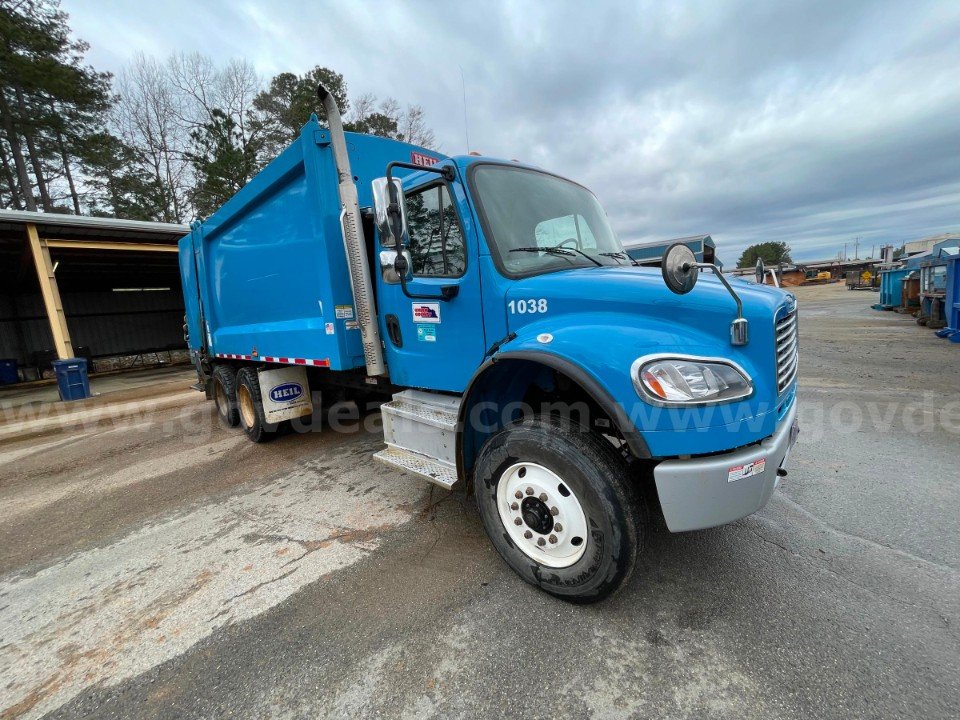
x=890, y=288
x=910, y=293
x=952, y=303
x=8, y=371
x=72, y=378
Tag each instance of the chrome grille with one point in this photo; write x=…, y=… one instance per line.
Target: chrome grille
x=787, y=353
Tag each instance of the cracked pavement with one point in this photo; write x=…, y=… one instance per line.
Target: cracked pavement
x=175, y=570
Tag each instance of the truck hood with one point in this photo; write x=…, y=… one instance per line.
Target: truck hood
x=640, y=290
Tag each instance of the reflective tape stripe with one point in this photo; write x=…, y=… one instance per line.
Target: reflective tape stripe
x=325, y=362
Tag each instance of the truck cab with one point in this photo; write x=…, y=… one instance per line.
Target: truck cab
x=526, y=355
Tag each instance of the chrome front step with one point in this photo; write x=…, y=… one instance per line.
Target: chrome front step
x=420, y=430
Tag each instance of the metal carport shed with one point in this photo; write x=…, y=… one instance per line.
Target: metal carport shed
x=87, y=286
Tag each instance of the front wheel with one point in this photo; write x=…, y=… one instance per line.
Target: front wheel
x=555, y=500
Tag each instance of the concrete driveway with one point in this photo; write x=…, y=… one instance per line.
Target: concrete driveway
x=156, y=565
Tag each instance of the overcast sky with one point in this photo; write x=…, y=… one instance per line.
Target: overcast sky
x=812, y=123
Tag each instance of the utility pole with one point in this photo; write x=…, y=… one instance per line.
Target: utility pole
x=844, y=251
x=856, y=249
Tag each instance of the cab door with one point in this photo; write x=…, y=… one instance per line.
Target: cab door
x=430, y=342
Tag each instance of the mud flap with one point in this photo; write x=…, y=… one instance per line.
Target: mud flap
x=285, y=394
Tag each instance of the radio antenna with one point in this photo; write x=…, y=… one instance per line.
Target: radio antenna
x=463, y=87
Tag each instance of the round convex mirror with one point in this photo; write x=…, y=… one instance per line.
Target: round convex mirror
x=679, y=268
x=760, y=271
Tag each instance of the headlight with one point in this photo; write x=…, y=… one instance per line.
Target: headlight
x=682, y=380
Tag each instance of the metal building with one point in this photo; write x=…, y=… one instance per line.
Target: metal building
x=84, y=286
x=650, y=252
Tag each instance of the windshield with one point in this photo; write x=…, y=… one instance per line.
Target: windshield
x=541, y=223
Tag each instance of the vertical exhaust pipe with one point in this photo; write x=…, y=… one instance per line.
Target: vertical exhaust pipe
x=360, y=280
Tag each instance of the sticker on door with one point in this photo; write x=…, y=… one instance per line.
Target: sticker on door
x=426, y=333
x=426, y=312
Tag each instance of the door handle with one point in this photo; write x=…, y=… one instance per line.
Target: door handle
x=393, y=330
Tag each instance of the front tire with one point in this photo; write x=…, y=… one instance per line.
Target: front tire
x=250, y=407
x=568, y=476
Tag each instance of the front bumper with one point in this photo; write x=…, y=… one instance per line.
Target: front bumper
x=715, y=490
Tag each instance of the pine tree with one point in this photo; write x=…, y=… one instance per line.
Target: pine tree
x=223, y=162
x=284, y=107
x=49, y=102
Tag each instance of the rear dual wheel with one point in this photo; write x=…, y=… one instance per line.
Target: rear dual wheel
x=250, y=407
x=225, y=395
x=556, y=501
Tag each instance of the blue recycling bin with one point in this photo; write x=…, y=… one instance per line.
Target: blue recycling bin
x=8, y=371
x=952, y=304
x=72, y=378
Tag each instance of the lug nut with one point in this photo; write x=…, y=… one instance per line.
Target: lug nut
x=554, y=511
x=543, y=497
x=514, y=506
x=528, y=534
x=558, y=527
x=529, y=491
x=518, y=521
x=518, y=494
x=541, y=542
x=553, y=539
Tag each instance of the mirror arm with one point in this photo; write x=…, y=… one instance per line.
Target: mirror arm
x=447, y=292
x=738, y=330
x=726, y=284
x=446, y=171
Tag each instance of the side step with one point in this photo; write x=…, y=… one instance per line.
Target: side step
x=436, y=472
x=420, y=430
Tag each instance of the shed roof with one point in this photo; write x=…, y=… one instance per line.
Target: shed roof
x=57, y=225
x=665, y=243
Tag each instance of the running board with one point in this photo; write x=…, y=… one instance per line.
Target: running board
x=437, y=472
x=420, y=431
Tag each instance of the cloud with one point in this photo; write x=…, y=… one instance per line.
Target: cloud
x=809, y=122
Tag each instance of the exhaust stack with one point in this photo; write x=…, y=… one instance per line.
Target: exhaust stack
x=360, y=281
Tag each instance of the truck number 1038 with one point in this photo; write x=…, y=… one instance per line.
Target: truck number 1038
x=523, y=307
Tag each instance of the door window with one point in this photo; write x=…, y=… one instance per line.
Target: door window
x=436, y=240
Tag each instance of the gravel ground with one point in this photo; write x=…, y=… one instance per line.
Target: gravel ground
x=156, y=565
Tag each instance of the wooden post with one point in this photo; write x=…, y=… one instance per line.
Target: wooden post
x=51, y=293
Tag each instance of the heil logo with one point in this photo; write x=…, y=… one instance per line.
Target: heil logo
x=288, y=392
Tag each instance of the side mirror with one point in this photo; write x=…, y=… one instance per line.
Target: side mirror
x=391, y=218
x=394, y=264
x=680, y=271
x=760, y=272
x=679, y=268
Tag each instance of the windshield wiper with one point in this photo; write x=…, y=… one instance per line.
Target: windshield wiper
x=619, y=256
x=557, y=250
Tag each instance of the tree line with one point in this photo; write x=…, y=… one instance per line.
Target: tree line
x=773, y=253
x=167, y=140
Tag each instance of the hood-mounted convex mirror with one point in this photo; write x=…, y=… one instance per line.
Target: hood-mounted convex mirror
x=679, y=268
x=680, y=271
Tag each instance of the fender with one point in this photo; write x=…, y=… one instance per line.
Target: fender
x=599, y=357
x=633, y=437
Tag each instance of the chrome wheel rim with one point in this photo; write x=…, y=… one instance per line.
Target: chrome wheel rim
x=542, y=515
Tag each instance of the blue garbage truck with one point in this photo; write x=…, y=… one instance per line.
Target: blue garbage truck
x=512, y=345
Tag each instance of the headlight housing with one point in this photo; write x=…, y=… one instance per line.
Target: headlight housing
x=686, y=380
